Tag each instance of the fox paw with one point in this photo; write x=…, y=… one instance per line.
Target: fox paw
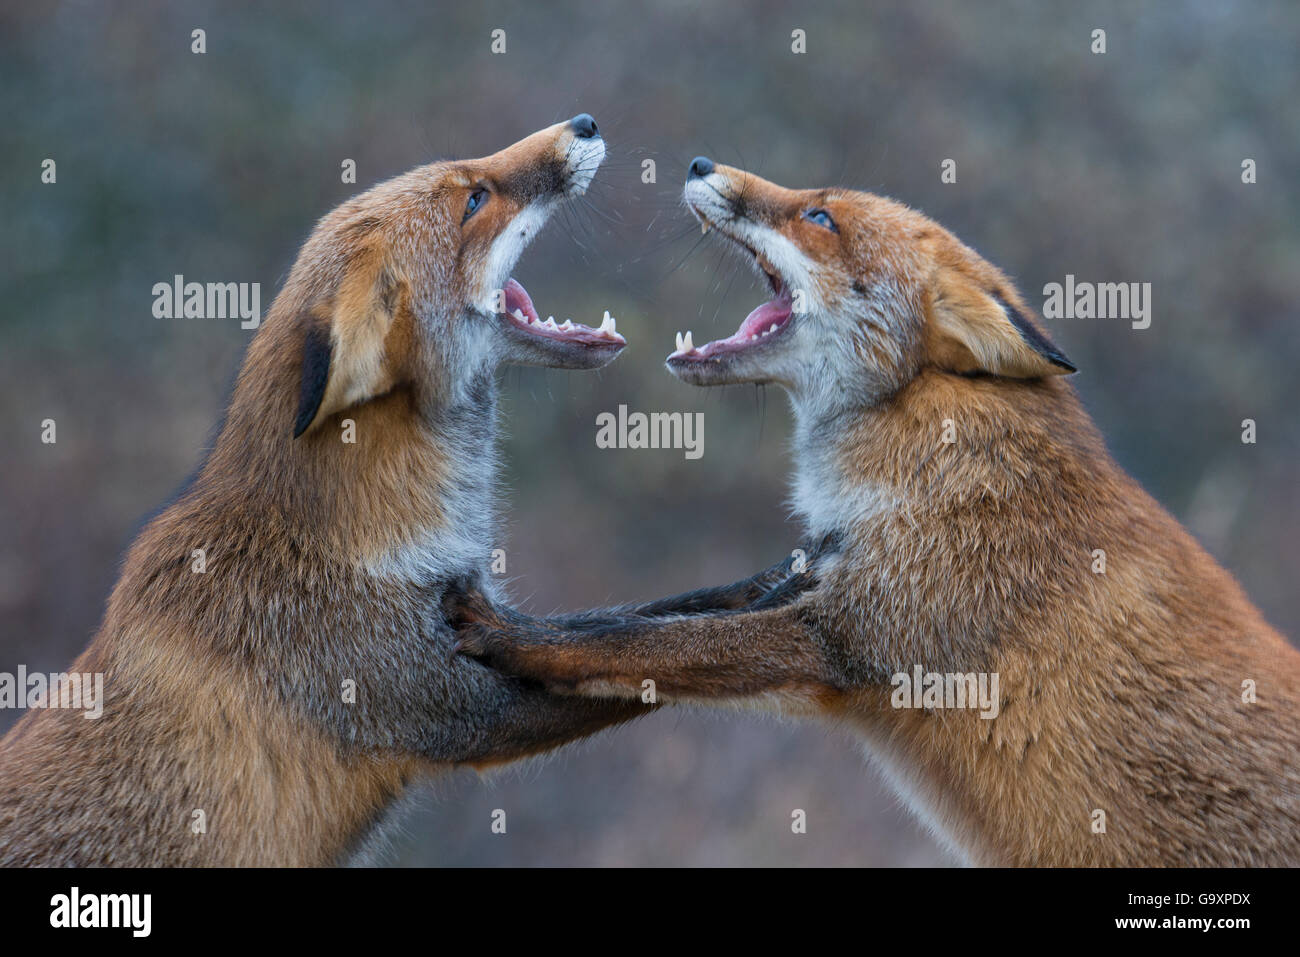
x=464, y=606
x=469, y=614
x=484, y=645
x=785, y=590
x=508, y=653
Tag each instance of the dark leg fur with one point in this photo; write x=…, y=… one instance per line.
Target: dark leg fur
x=768, y=645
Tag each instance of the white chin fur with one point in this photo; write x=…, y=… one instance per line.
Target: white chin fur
x=784, y=256
x=506, y=250
x=584, y=158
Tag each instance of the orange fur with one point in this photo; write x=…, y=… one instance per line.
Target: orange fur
x=324, y=560
x=1120, y=693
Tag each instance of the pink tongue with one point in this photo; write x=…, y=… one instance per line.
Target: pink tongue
x=761, y=319
x=517, y=298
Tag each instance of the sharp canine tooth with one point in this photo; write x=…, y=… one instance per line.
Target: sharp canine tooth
x=686, y=342
x=679, y=342
x=550, y=322
x=566, y=325
x=607, y=324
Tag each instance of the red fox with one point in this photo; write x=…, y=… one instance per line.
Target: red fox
x=275, y=667
x=1143, y=711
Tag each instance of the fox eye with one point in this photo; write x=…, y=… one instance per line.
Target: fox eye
x=476, y=201
x=821, y=217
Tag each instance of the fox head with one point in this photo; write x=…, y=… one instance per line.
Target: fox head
x=365, y=404
x=867, y=293
x=408, y=286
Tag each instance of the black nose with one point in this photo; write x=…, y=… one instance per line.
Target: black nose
x=583, y=126
x=700, y=166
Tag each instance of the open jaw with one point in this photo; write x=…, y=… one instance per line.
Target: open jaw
x=764, y=324
x=522, y=316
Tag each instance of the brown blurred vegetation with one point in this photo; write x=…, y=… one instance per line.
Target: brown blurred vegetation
x=1122, y=167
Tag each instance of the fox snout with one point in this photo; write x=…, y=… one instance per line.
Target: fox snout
x=772, y=229
x=865, y=294
x=533, y=177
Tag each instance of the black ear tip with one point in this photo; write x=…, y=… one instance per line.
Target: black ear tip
x=315, y=374
x=1034, y=337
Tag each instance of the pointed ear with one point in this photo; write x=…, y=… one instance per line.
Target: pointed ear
x=977, y=330
x=345, y=356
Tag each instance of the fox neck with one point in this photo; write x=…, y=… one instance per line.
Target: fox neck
x=856, y=460
x=826, y=495
x=466, y=433
x=401, y=485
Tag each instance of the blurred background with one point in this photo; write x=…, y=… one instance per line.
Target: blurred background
x=1117, y=167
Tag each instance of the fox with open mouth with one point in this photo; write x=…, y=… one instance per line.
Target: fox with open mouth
x=275, y=665
x=1148, y=713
